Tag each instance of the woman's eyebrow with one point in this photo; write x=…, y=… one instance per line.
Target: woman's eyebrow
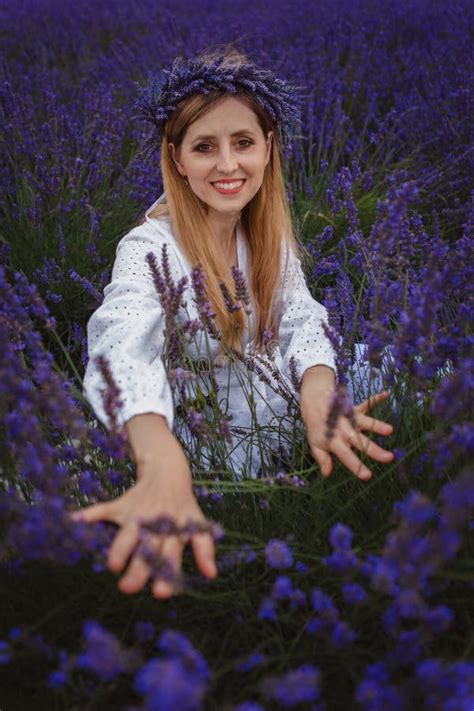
x=247, y=131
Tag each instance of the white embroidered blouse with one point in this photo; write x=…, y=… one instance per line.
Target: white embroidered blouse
x=129, y=328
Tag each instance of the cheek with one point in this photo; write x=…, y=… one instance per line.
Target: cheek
x=258, y=168
x=198, y=171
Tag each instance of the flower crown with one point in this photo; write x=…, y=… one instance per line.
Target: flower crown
x=159, y=97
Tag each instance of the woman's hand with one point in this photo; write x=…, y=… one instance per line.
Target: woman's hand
x=157, y=493
x=315, y=407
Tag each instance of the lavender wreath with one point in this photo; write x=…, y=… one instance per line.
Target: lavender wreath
x=162, y=92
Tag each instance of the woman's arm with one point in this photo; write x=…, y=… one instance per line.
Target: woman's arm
x=301, y=333
x=151, y=441
x=163, y=488
x=128, y=328
x=303, y=338
x=317, y=377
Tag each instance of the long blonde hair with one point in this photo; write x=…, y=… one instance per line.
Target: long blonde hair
x=265, y=220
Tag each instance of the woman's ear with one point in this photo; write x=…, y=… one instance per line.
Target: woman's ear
x=269, y=146
x=174, y=156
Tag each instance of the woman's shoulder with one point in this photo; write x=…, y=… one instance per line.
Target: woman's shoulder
x=153, y=232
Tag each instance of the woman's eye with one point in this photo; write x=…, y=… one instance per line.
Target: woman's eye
x=203, y=147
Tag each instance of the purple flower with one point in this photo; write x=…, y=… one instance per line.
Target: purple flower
x=282, y=587
x=57, y=679
x=375, y=691
x=342, y=635
x=340, y=537
x=353, y=593
x=302, y=685
x=254, y=660
x=267, y=610
x=230, y=304
x=438, y=619
x=342, y=562
x=301, y=567
x=166, y=684
x=5, y=655
x=297, y=598
x=103, y=654
x=322, y=603
x=410, y=604
x=416, y=509
x=175, y=644
x=278, y=554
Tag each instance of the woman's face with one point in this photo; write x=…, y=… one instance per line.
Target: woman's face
x=223, y=156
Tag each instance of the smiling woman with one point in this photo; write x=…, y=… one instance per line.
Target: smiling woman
x=222, y=125
x=218, y=158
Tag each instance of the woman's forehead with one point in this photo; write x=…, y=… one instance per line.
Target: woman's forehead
x=231, y=115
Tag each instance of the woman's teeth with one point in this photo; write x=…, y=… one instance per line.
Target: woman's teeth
x=229, y=186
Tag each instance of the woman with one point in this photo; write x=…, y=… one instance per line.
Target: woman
x=222, y=124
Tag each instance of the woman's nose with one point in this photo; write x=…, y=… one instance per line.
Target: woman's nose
x=227, y=161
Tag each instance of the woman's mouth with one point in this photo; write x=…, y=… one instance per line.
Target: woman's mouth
x=228, y=187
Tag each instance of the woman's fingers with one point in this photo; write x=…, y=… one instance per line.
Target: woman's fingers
x=96, y=512
x=370, y=424
x=172, y=550
x=122, y=546
x=123, y=549
x=371, y=402
x=136, y=576
x=345, y=454
x=139, y=571
x=204, y=553
x=366, y=445
x=323, y=458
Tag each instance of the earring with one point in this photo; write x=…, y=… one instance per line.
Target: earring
x=186, y=182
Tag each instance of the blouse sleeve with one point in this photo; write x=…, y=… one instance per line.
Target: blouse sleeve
x=301, y=333
x=128, y=328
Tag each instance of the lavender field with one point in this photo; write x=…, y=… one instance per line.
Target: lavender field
x=333, y=593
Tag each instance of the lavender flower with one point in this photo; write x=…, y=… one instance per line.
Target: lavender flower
x=231, y=306
x=241, y=288
x=166, y=684
x=278, y=554
x=353, y=593
x=302, y=685
x=267, y=610
x=341, y=406
x=111, y=393
x=203, y=305
x=103, y=655
x=171, y=300
x=282, y=587
x=254, y=660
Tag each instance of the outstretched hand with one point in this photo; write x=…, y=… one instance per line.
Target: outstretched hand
x=153, y=496
x=345, y=434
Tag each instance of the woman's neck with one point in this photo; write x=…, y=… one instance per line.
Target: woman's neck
x=225, y=233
